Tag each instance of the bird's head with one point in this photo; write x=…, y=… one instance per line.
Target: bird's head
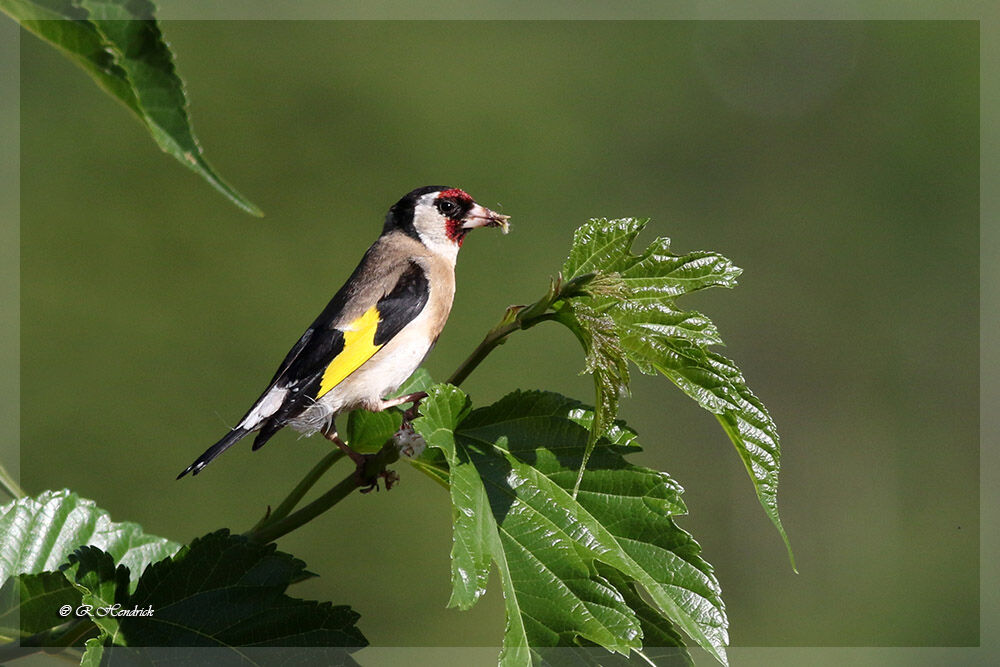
x=440, y=217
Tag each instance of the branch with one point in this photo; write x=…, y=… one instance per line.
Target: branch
x=376, y=464
x=300, y=490
x=521, y=317
x=9, y=485
x=50, y=641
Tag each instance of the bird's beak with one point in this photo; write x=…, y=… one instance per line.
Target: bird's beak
x=480, y=216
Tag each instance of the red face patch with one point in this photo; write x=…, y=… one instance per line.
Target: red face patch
x=454, y=230
x=455, y=193
x=453, y=203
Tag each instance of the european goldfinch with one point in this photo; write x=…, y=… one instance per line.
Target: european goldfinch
x=376, y=330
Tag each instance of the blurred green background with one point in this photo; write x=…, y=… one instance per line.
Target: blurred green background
x=836, y=162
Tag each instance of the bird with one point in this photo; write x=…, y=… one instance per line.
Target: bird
x=375, y=331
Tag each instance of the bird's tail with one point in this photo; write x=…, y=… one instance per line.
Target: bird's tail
x=222, y=445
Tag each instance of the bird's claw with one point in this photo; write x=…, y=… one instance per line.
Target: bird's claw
x=391, y=477
x=413, y=411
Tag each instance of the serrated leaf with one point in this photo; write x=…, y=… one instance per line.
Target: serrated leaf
x=228, y=592
x=473, y=536
x=658, y=273
x=367, y=431
x=602, y=246
x=93, y=653
x=64, y=25
x=40, y=534
x=718, y=386
x=658, y=337
x=659, y=320
x=119, y=44
x=661, y=643
x=101, y=584
x=513, y=466
x=30, y=603
x=605, y=361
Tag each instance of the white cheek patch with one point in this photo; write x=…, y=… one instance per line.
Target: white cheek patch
x=433, y=231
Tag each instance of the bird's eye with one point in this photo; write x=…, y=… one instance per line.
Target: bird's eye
x=446, y=206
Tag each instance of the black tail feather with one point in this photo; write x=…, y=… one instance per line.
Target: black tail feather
x=270, y=427
x=295, y=403
x=222, y=445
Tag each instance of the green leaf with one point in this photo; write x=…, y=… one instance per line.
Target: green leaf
x=226, y=591
x=661, y=643
x=64, y=25
x=644, y=325
x=602, y=245
x=222, y=591
x=119, y=44
x=93, y=653
x=101, y=584
x=40, y=534
x=421, y=380
x=513, y=466
x=606, y=361
x=718, y=386
x=367, y=431
x=471, y=551
x=30, y=603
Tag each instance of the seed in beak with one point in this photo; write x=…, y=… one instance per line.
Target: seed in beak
x=500, y=221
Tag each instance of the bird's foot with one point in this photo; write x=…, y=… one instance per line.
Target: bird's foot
x=357, y=457
x=414, y=398
x=369, y=483
x=368, y=467
x=414, y=409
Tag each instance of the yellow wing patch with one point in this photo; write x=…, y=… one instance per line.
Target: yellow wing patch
x=359, y=346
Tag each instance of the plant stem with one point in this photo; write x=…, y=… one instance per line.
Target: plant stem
x=300, y=490
x=376, y=464
x=273, y=530
x=496, y=336
x=73, y=634
x=307, y=483
x=47, y=642
x=9, y=485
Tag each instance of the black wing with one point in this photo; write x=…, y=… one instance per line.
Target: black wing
x=301, y=372
x=304, y=373
x=402, y=305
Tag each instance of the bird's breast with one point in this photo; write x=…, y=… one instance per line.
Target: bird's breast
x=388, y=368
